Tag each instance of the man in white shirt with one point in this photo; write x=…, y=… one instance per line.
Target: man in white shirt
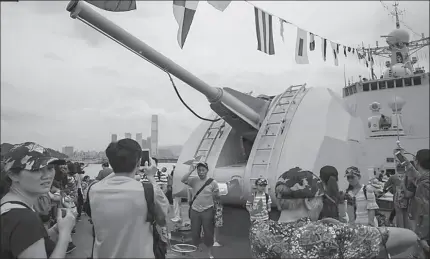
x=118, y=206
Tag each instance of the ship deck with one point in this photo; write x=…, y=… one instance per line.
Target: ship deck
x=233, y=236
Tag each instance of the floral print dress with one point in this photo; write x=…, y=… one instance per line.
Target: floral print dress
x=320, y=239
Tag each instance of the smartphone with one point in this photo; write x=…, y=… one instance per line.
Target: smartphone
x=400, y=157
x=63, y=212
x=145, y=157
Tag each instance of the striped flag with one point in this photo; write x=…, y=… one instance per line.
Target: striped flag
x=184, y=13
x=115, y=5
x=311, y=41
x=263, y=26
x=281, y=21
x=324, y=48
x=302, y=47
x=335, y=47
x=220, y=5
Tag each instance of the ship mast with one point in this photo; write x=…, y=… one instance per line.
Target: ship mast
x=396, y=14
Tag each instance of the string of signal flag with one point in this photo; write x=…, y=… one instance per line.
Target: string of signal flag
x=184, y=12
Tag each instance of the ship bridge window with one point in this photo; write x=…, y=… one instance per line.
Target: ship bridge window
x=374, y=86
x=408, y=81
x=366, y=87
x=390, y=84
x=399, y=83
x=382, y=85
x=390, y=160
x=417, y=80
x=345, y=91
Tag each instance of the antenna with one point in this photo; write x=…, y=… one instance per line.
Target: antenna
x=344, y=75
x=396, y=14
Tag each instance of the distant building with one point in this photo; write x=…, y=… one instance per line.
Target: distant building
x=139, y=139
x=114, y=138
x=68, y=151
x=144, y=144
x=154, y=135
x=148, y=144
x=127, y=135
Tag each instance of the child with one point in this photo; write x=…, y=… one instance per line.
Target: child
x=259, y=204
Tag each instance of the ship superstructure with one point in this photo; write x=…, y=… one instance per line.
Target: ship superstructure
x=394, y=107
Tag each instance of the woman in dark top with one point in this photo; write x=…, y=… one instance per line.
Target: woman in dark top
x=28, y=173
x=332, y=200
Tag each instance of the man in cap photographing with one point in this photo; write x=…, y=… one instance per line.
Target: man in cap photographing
x=201, y=212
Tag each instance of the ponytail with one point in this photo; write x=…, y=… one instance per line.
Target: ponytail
x=332, y=188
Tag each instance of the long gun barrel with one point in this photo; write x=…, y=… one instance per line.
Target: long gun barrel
x=81, y=11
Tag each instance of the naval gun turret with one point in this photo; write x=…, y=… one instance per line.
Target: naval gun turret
x=250, y=137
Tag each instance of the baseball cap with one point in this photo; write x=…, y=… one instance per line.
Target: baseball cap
x=300, y=184
x=29, y=156
x=261, y=182
x=203, y=164
x=352, y=171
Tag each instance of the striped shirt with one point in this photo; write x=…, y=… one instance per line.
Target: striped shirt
x=161, y=177
x=258, y=207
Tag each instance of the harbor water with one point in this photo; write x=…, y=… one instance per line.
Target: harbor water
x=92, y=170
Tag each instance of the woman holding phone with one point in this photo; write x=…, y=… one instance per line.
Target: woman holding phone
x=29, y=172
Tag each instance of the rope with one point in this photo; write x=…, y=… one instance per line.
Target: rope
x=183, y=102
x=161, y=68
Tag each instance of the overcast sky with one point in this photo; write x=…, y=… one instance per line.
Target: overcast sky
x=62, y=83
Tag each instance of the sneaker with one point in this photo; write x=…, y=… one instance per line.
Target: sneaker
x=70, y=248
x=176, y=219
x=216, y=244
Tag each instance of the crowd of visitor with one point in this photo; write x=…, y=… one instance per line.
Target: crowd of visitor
x=44, y=197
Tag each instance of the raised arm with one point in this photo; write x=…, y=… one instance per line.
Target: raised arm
x=380, y=240
x=186, y=176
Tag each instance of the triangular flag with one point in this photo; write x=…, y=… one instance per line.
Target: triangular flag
x=335, y=47
x=349, y=49
x=220, y=5
x=324, y=48
x=282, y=28
x=263, y=26
x=344, y=50
x=114, y=5
x=184, y=13
x=311, y=41
x=301, y=47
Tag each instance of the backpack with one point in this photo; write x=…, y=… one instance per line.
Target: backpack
x=159, y=246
